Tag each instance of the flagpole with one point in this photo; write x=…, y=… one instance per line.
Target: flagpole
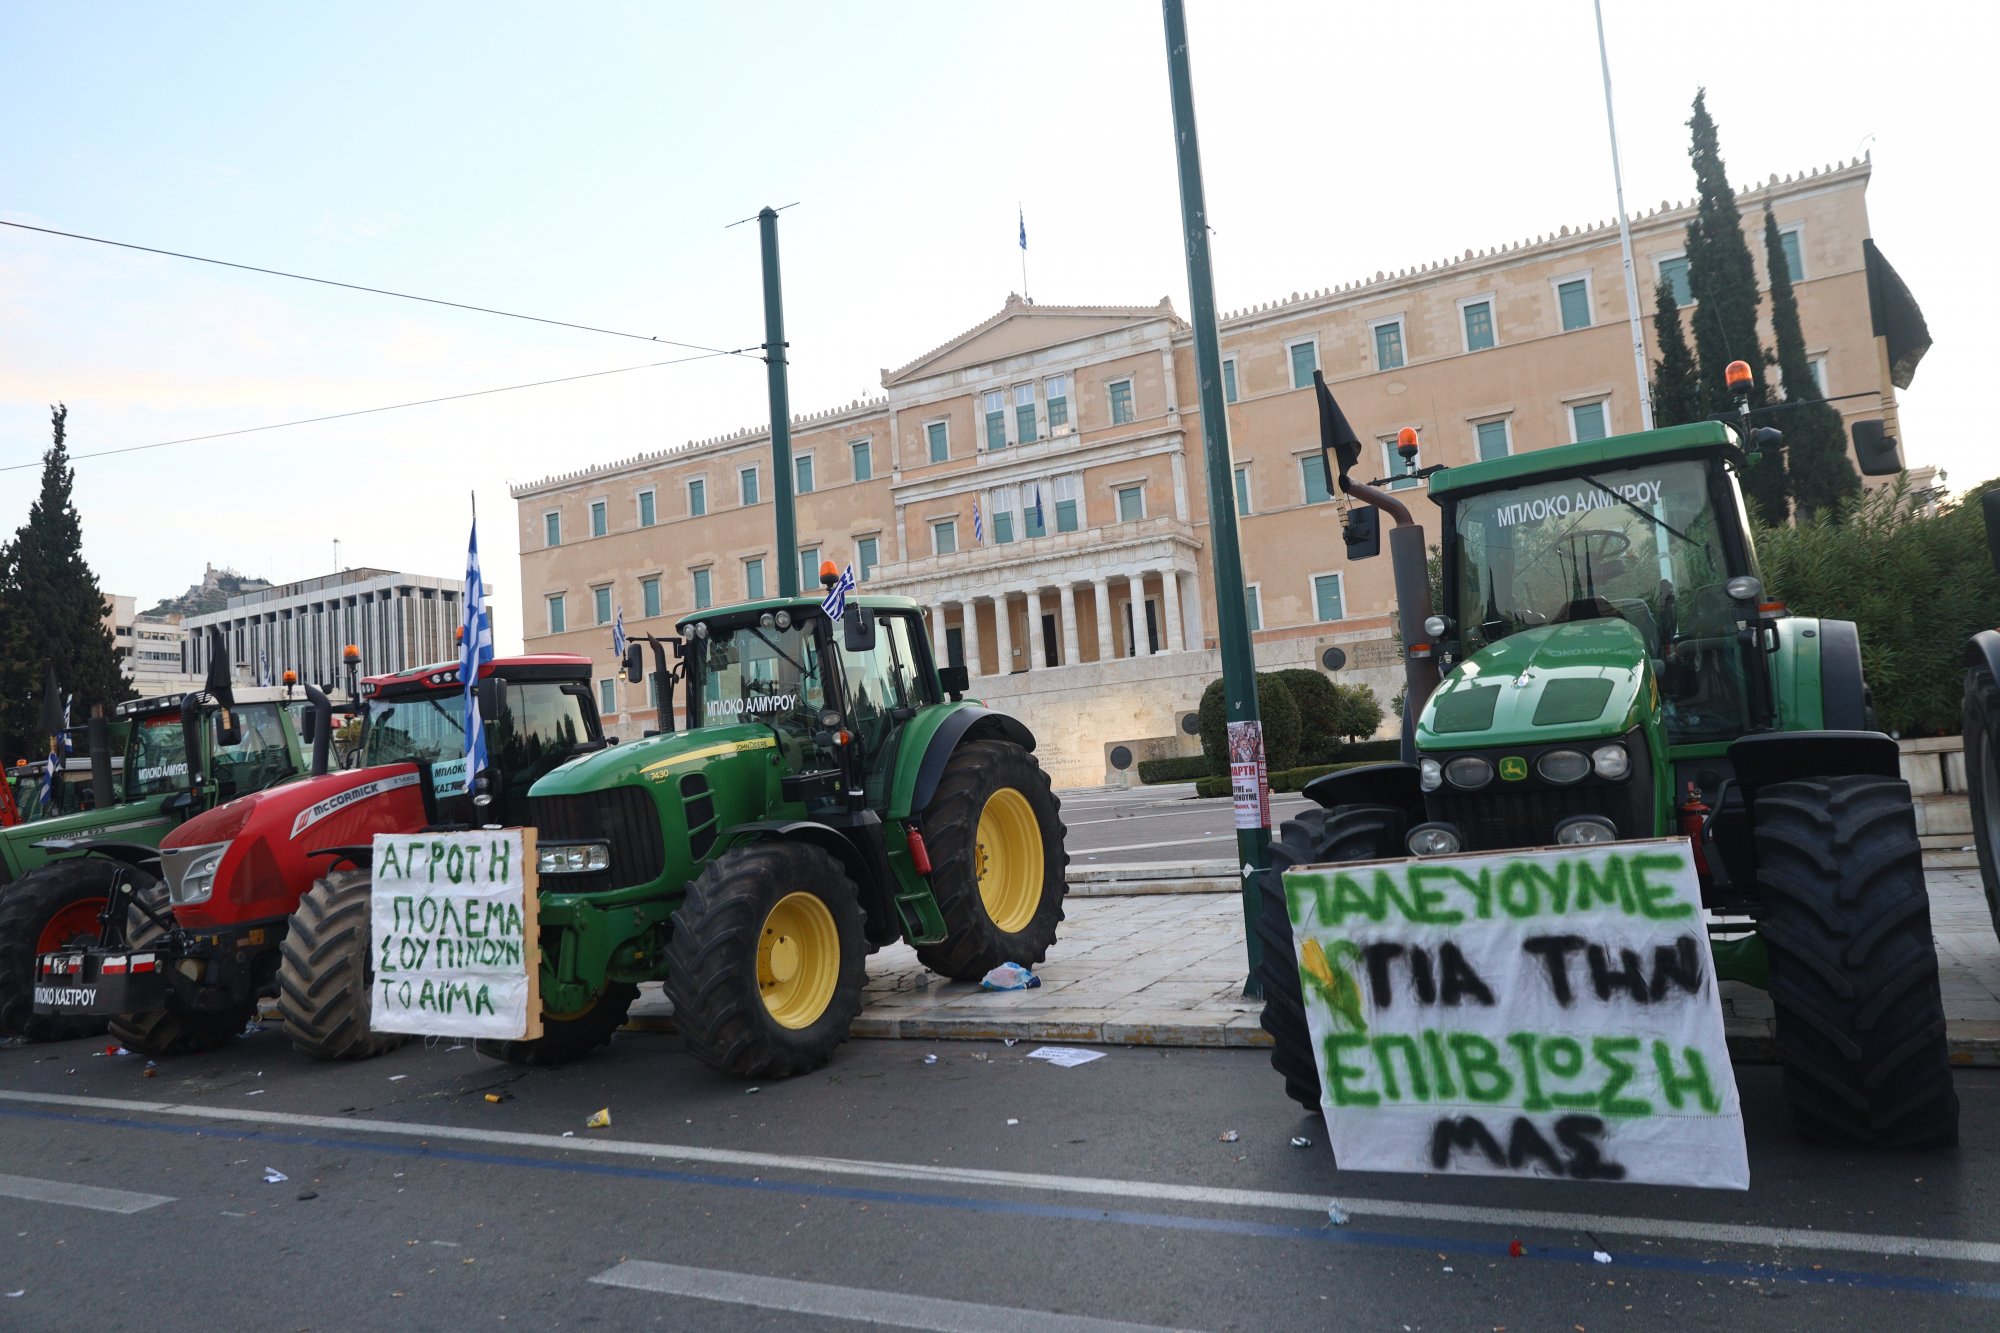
x=1624, y=233
x=1021, y=213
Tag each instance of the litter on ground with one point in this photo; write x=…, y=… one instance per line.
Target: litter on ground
x=1065, y=1057
x=1600, y=1256
x=601, y=1120
x=1228, y=1136
x=1337, y=1215
x=1009, y=976
x=273, y=1176
x=1301, y=1141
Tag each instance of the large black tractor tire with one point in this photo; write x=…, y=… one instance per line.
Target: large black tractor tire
x=51, y=906
x=999, y=868
x=173, y=1031
x=1316, y=837
x=1982, y=775
x=326, y=974
x=1854, y=973
x=767, y=960
x=567, y=1038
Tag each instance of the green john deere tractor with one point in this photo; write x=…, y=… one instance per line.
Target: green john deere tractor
x=832, y=793
x=1605, y=666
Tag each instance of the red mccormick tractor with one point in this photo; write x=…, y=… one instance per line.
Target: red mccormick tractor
x=260, y=897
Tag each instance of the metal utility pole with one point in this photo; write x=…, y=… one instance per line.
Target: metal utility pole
x=1625, y=234
x=1249, y=779
x=781, y=408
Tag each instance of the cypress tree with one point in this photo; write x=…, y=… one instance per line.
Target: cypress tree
x=1821, y=477
x=53, y=612
x=1676, y=386
x=1723, y=281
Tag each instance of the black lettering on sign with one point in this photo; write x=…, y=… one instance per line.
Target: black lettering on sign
x=1460, y=978
x=1577, y=1153
x=1554, y=951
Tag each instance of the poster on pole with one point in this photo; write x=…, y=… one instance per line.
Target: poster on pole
x=455, y=935
x=1249, y=781
x=1551, y=1012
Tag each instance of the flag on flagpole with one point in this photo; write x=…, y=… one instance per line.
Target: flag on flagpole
x=475, y=649
x=1024, y=229
x=835, y=605
x=978, y=524
x=618, y=635
x=1041, y=521
x=263, y=668
x=50, y=767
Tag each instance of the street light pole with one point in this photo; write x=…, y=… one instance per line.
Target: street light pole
x=781, y=407
x=1249, y=780
x=1625, y=234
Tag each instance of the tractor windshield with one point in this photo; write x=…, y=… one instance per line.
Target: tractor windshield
x=758, y=673
x=1642, y=544
x=541, y=723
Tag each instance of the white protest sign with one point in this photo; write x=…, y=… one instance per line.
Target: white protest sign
x=455, y=935
x=1551, y=1012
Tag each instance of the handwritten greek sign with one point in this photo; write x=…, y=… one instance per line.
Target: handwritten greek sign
x=1551, y=1012
x=455, y=935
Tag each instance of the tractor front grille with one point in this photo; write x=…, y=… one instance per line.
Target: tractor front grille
x=1502, y=816
x=624, y=817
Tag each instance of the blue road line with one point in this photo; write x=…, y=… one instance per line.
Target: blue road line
x=1857, y=1279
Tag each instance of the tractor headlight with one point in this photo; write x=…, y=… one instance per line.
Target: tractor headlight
x=784, y=620
x=1468, y=772
x=197, y=881
x=701, y=629
x=572, y=858
x=1434, y=840
x=768, y=621
x=1563, y=767
x=1430, y=773
x=1579, y=830
x=1611, y=761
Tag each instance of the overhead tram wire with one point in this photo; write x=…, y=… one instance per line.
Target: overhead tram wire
x=368, y=411
x=375, y=291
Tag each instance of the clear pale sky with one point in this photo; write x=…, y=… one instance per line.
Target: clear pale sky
x=582, y=162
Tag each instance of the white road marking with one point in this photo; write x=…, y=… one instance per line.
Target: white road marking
x=1717, y=1233
x=1164, y=814
x=79, y=1196
x=1229, y=835
x=884, y=1309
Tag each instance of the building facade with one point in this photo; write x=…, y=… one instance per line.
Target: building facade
x=150, y=648
x=1038, y=481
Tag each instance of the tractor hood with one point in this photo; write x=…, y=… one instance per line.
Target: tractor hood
x=657, y=759
x=1573, y=681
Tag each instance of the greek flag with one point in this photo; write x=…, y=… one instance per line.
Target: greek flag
x=978, y=524
x=475, y=649
x=618, y=635
x=835, y=604
x=50, y=767
x=1024, y=229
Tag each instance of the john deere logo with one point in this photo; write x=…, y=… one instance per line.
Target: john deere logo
x=1513, y=768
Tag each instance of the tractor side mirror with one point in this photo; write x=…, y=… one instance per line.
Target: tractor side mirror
x=857, y=630
x=228, y=731
x=955, y=680
x=1875, y=449
x=1363, y=532
x=309, y=725
x=635, y=663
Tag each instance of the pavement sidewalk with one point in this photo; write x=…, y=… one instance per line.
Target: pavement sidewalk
x=1154, y=966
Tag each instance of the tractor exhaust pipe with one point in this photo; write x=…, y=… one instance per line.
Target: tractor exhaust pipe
x=100, y=759
x=321, y=722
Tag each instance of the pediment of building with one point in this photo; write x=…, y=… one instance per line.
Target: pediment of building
x=1022, y=327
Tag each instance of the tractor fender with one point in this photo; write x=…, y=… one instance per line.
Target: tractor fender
x=959, y=726
x=1983, y=650
x=1789, y=756
x=1393, y=784
x=138, y=855
x=860, y=854
x=1843, y=693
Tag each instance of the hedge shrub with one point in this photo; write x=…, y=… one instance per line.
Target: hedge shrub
x=1280, y=714
x=1290, y=779
x=1177, y=768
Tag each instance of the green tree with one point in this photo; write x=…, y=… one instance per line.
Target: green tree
x=1723, y=281
x=51, y=611
x=1676, y=383
x=1280, y=714
x=1822, y=480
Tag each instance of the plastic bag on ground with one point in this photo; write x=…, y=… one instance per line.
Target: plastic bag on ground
x=1009, y=976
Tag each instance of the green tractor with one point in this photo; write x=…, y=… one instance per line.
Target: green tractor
x=1605, y=666
x=833, y=792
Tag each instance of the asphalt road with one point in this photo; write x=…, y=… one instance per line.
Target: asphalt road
x=986, y=1191
x=1159, y=825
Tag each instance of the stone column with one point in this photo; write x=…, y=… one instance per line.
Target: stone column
x=971, y=612
x=1003, y=632
x=1034, y=635
x=1192, y=624
x=1170, y=601
x=937, y=634
x=1102, y=587
x=1067, y=592
x=1142, y=645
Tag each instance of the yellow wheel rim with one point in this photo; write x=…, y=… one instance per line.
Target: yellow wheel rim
x=798, y=960
x=1008, y=860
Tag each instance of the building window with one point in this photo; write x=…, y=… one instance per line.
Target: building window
x=1253, y=606
x=1478, y=320
x=1788, y=241
x=1573, y=302
x=648, y=516
x=1228, y=379
x=1305, y=360
x=607, y=696
x=746, y=485
x=802, y=474
x=1024, y=414
x=1069, y=504
x=600, y=600
x=703, y=597
x=1002, y=526
x=1242, y=491
x=1131, y=503
x=1326, y=597
x=1121, y=401
x=864, y=462
x=600, y=521
x=867, y=553
x=653, y=689
x=1673, y=275
x=649, y=596
x=1312, y=476
x=1389, y=344
x=940, y=440
x=809, y=566
x=558, y=620
x=944, y=536
x=552, y=529
x=697, y=498
x=1392, y=466
x=1492, y=437
x=753, y=580
x=1034, y=519
x=996, y=422
x=1055, y=393
x=1817, y=365
x=1586, y=421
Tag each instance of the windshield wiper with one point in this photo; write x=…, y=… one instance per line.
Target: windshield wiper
x=1653, y=518
x=804, y=674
